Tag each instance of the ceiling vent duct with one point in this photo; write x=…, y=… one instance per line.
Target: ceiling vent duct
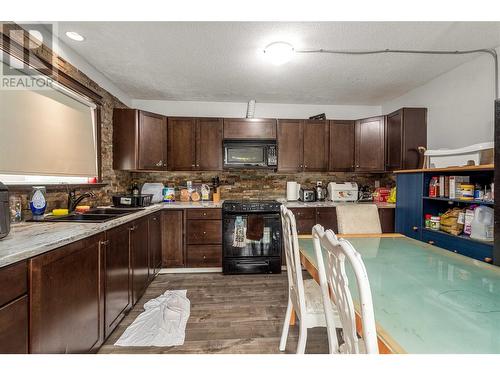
x=251, y=109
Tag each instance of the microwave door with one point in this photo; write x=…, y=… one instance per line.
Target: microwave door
x=245, y=156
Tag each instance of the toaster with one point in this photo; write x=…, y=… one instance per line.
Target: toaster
x=4, y=211
x=306, y=195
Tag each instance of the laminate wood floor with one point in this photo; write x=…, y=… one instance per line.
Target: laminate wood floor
x=229, y=314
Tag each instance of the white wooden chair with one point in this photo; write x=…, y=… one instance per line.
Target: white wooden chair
x=333, y=278
x=358, y=218
x=304, y=297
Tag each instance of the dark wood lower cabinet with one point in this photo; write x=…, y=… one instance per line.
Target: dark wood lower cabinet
x=203, y=232
x=204, y=255
x=154, y=225
x=67, y=298
x=14, y=326
x=327, y=217
x=387, y=219
x=305, y=219
x=172, y=223
x=117, y=276
x=139, y=250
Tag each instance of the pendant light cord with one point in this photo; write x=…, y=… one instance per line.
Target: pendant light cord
x=492, y=52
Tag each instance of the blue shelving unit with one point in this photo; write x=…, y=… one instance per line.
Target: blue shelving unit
x=412, y=204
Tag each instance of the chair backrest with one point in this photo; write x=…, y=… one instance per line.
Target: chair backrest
x=293, y=265
x=358, y=218
x=333, y=277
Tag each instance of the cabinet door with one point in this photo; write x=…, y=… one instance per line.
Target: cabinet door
x=154, y=244
x=209, y=144
x=66, y=304
x=181, y=144
x=341, y=146
x=305, y=219
x=386, y=216
x=409, y=204
x=370, y=144
x=244, y=128
x=139, y=246
x=172, y=238
x=14, y=327
x=117, y=276
x=315, y=146
x=394, y=136
x=327, y=217
x=152, y=141
x=290, y=146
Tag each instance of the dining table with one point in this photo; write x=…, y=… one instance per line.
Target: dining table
x=426, y=299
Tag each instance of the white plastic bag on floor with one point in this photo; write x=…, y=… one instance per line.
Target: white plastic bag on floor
x=163, y=323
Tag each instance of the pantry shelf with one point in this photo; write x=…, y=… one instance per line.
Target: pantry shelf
x=461, y=236
x=488, y=203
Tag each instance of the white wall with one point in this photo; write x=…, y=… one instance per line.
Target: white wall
x=264, y=110
x=460, y=104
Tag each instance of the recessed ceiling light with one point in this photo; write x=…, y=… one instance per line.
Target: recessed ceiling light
x=279, y=53
x=75, y=36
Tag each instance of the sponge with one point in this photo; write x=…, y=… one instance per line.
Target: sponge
x=60, y=211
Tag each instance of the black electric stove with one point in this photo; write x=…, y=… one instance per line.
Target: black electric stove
x=242, y=255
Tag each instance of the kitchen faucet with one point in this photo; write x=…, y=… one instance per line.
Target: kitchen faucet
x=73, y=201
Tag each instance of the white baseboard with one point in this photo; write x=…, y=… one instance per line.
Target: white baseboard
x=190, y=270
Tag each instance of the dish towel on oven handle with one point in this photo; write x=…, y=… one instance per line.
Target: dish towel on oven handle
x=240, y=229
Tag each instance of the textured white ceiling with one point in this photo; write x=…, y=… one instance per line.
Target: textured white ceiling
x=222, y=61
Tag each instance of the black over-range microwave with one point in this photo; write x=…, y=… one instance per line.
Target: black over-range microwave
x=250, y=154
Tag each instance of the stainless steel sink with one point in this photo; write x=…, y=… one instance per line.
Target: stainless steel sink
x=95, y=215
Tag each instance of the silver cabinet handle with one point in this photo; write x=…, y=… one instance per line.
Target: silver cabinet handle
x=104, y=243
x=160, y=163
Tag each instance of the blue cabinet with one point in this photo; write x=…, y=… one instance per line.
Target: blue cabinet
x=409, y=204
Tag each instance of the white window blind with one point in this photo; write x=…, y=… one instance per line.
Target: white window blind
x=49, y=132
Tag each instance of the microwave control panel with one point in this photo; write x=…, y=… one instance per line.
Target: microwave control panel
x=272, y=156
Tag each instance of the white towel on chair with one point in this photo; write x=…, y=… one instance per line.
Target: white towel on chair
x=163, y=323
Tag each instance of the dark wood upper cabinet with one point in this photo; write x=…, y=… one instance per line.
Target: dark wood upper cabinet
x=154, y=225
x=341, y=146
x=316, y=150
x=181, y=143
x=245, y=128
x=117, y=276
x=194, y=144
x=67, y=298
x=370, y=145
x=290, y=146
x=139, y=140
x=172, y=238
x=406, y=130
x=302, y=145
x=209, y=144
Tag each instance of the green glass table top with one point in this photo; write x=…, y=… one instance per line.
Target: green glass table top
x=427, y=299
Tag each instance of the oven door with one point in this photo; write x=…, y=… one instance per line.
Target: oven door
x=268, y=246
x=245, y=155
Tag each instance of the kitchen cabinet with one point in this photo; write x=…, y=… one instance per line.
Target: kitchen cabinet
x=172, y=222
x=117, y=276
x=139, y=140
x=387, y=221
x=303, y=145
x=327, y=217
x=14, y=309
x=406, y=130
x=342, y=140
x=409, y=209
x=139, y=250
x=249, y=128
x=305, y=219
x=204, y=237
x=154, y=225
x=194, y=144
x=370, y=145
x=67, y=298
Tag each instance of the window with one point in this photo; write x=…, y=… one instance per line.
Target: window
x=46, y=136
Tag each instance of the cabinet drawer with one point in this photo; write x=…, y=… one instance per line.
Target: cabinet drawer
x=304, y=213
x=13, y=282
x=14, y=327
x=304, y=226
x=207, y=214
x=204, y=256
x=204, y=232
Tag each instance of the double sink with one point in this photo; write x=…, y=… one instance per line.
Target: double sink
x=95, y=215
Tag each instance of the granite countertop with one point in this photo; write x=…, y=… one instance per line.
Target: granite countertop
x=326, y=203
x=28, y=239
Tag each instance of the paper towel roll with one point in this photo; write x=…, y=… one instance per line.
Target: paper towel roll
x=292, y=191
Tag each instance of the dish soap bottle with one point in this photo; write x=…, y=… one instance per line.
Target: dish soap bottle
x=38, y=202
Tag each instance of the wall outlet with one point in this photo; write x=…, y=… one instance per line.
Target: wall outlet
x=377, y=184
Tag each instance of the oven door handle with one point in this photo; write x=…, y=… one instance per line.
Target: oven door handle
x=265, y=263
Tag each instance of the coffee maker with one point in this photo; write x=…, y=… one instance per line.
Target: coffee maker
x=320, y=191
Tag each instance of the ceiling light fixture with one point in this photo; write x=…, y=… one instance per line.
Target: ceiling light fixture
x=75, y=36
x=279, y=53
